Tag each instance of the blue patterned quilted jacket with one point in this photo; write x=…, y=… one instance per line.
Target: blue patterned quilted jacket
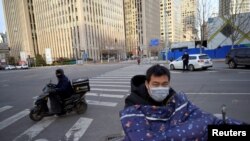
x=179, y=120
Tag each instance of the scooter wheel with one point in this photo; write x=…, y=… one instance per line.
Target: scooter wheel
x=81, y=107
x=35, y=114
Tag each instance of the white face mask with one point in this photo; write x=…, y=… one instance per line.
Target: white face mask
x=159, y=93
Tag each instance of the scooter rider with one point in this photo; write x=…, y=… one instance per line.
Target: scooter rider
x=62, y=91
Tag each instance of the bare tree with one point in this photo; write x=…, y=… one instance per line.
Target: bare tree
x=237, y=21
x=205, y=9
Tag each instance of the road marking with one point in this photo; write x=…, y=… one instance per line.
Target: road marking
x=99, y=103
x=33, y=131
x=211, y=71
x=174, y=72
x=108, y=79
x=41, y=140
x=109, y=90
x=118, y=75
x=105, y=95
x=231, y=80
x=101, y=82
x=78, y=129
x=5, y=108
x=243, y=72
x=96, y=85
x=220, y=93
x=13, y=119
x=218, y=115
x=111, y=77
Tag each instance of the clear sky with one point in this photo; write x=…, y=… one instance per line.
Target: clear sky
x=2, y=23
x=3, y=27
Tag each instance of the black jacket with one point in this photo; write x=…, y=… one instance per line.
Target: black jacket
x=64, y=87
x=139, y=93
x=185, y=58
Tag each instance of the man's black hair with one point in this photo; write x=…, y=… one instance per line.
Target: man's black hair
x=157, y=70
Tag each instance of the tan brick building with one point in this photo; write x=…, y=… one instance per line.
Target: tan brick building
x=68, y=28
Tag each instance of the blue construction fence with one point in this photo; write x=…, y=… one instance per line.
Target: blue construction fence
x=218, y=53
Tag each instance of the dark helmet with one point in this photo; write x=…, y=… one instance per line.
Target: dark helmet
x=59, y=73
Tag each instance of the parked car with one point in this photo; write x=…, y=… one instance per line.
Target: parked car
x=238, y=57
x=196, y=61
x=23, y=66
x=10, y=67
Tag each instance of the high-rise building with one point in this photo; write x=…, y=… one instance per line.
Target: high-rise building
x=171, y=21
x=233, y=7
x=142, y=25
x=189, y=19
x=19, y=28
x=179, y=20
x=66, y=28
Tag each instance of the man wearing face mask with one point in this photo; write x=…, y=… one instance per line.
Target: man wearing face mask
x=62, y=91
x=154, y=111
x=152, y=89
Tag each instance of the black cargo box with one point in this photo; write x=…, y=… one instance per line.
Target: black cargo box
x=81, y=85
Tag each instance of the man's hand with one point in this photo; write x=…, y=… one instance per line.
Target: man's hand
x=51, y=90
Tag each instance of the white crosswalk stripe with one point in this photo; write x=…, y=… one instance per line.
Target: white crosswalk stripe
x=78, y=129
x=13, y=119
x=117, y=75
x=98, y=85
x=112, y=77
x=109, y=90
x=33, y=131
x=5, y=108
x=104, y=79
x=101, y=103
x=105, y=95
x=104, y=82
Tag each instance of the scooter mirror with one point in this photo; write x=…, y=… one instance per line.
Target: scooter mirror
x=223, y=111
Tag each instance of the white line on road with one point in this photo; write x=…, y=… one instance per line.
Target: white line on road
x=99, y=103
x=220, y=93
x=243, y=72
x=111, y=77
x=218, y=115
x=105, y=95
x=96, y=85
x=211, y=71
x=108, y=79
x=33, y=131
x=238, y=70
x=231, y=80
x=5, y=108
x=174, y=72
x=118, y=75
x=13, y=119
x=109, y=90
x=101, y=82
x=78, y=129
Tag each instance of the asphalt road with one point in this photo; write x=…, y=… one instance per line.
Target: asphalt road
x=109, y=86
